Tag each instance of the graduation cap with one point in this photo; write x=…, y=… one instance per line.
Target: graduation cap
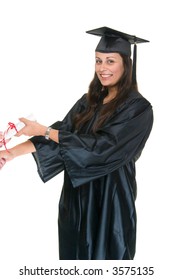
x=116, y=41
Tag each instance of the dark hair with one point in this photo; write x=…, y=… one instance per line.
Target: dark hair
x=97, y=93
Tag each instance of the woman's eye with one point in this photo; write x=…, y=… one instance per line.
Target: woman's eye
x=110, y=61
x=98, y=61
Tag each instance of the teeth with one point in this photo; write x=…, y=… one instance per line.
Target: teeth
x=105, y=75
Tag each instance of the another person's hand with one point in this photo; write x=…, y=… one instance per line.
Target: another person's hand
x=1, y=139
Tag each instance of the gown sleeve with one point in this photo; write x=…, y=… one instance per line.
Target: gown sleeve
x=48, y=156
x=90, y=156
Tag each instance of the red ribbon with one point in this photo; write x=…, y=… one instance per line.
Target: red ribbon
x=11, y=126
x=3, y=141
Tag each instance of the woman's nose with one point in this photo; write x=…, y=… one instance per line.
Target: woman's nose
x=102, y=66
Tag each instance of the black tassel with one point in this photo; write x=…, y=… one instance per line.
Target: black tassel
x=134, y=80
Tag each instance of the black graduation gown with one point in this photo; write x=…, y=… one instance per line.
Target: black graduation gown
x=97, y=216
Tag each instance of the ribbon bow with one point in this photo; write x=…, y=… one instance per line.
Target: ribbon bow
x=3, y=141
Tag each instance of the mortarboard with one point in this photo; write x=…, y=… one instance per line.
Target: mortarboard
x=116, y=41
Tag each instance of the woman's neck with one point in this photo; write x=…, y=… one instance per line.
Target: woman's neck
x=112, y=93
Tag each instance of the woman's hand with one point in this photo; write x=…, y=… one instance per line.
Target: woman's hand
x=5, y=156
x=32, y=128
x=2, y=139
x=18, y=150
x=2, y=162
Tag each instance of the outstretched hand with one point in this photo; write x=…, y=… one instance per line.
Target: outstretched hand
x=5, y=156
x=1, y=138
x=2, y=162
x=31, y=128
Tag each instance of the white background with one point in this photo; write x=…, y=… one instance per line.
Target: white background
x=46, y=64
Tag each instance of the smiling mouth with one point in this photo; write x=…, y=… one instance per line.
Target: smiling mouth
x=105, y=75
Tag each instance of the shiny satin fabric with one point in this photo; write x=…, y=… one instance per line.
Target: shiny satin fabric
x=97, y=215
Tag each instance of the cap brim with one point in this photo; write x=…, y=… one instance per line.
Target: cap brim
x=106, y=31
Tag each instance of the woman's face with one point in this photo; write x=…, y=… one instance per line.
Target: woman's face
x=109, y=68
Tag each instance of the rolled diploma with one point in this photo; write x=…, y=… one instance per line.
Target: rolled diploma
x=12, y=131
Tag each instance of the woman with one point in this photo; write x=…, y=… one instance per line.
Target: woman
x=96, y=145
